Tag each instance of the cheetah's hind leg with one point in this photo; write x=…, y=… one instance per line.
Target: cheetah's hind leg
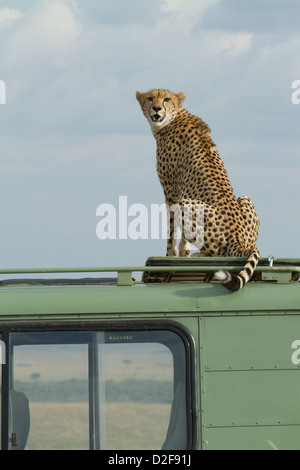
x=249, y=214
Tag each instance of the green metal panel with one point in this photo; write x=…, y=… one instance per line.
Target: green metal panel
x=249, y=381
x=171, y=298
x=252, y=438
x=251, y=342
x=260, y=296
x=244, y=398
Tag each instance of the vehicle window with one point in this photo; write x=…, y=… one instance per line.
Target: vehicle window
x=98, y=390
x=2, y=361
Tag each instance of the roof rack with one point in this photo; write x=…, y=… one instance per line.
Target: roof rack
x=203, y=268
x=167, y=269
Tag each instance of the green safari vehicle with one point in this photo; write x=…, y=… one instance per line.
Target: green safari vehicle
x=171, y=361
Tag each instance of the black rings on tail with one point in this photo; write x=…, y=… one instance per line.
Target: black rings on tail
x=235, y=282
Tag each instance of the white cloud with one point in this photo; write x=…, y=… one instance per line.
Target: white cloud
x=234, y=44
x=115, y=151
x=9, y=14
x=46, y=31
x=189, y=7
x=184, y=14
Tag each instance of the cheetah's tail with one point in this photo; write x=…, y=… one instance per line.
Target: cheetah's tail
x=235, y=282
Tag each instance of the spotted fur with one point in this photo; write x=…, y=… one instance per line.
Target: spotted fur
x=194, y=178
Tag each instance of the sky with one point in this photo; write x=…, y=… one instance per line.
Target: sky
x=73, y=138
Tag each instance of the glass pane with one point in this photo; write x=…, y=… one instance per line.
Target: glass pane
x=2, y=361
x=50, y=379
x=143, y=380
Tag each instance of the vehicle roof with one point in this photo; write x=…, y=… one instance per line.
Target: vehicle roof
x=169, y=286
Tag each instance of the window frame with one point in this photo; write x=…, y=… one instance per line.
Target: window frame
x=106, y=326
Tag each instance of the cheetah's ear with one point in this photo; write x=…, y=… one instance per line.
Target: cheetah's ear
x=139, y=95
x=181, y=97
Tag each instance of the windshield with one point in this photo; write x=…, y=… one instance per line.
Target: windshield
x=97, y=390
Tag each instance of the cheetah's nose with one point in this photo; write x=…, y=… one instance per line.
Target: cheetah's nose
x=156, y=109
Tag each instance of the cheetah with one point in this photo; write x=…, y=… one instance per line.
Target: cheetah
x=193, y=177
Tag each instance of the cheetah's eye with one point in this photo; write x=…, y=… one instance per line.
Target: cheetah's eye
x=166, y=100
x=150, y=99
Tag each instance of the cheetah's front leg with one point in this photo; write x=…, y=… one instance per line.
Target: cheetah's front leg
x=184, y=247
x=172, y=241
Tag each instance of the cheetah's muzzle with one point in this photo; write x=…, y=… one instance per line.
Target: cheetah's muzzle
x=157, y=118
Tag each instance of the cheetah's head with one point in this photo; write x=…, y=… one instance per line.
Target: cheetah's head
x=160, y=107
